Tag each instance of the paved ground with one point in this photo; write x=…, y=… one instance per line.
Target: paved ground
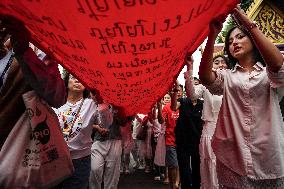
x=140, y=180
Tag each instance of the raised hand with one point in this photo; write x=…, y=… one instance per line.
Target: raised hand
x=177, y=83
x=103, y=131
x=189, y=62
x=241, y=16
x=159, y=103
x=215, y=27
x=20, y=36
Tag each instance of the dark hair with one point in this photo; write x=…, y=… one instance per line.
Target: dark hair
x=97, y=95
x=3, y=34
x=168, y=93
x=225, y=59
x=66, y=77
x=233, y=61
x=181, y=86
x=130, y=118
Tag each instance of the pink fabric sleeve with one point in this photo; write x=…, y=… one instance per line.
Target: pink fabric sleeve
x=44, y=79
x=277, y=79
x=218, y=85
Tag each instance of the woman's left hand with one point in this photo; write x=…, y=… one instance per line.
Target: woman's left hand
x=20, y=35
x=242, y=16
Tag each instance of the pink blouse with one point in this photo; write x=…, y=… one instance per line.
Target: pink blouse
x=249, y=137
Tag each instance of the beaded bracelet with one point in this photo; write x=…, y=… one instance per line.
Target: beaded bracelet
x=252, y=25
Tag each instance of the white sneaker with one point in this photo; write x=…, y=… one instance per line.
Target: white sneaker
x=127, y=172
x=136, y=166
x=141, y=167
x=147, y=169
x=157, y=178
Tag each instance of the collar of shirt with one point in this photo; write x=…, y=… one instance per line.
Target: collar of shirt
x=258, y=66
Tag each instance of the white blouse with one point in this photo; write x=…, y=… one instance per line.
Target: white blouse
x=212, y=103
x=249, y=137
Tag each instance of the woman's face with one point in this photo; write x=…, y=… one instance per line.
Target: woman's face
x=240, y=45
x=167, y=99
x=219, y=63
x=75, y=85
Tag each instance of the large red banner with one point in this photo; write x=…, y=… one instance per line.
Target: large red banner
x=129, y=50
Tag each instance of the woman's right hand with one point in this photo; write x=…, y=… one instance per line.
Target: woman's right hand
x=215, y=26
x=103, y=131
x=189, y=62
x=242, y=16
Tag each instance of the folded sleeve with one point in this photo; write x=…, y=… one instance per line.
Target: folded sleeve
x=217, y=86
x=277, y=80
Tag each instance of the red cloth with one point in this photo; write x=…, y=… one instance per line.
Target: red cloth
x=131, y=51
x=170, y=120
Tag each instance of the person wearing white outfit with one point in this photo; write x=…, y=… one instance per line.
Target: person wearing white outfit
x=74, y=117
x=107, y=146
x=211, y=107
x=127, y=145
x=158, y=145
x=137, y=151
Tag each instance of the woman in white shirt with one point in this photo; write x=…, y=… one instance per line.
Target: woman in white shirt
x=74, y=119
x=248, y=140
x=211, y=107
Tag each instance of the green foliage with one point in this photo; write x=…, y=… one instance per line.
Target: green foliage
x=230, y=23
x=64, y=73
x=245, y=4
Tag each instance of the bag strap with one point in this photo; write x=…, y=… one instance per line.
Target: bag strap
x=5, y=70
x=76, y=116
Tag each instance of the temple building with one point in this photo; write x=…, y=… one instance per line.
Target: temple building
x=269, y=16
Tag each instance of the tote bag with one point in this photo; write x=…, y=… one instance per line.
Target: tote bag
x=35, y=154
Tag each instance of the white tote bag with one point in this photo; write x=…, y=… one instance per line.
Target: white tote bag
x=35, y=154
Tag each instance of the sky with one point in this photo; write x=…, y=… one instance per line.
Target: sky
x=196, y=61
x=196, y=57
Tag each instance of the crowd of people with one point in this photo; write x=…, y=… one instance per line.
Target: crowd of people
x=224, y=130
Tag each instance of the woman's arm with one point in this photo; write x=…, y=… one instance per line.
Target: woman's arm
x=94, y=121
x=154, y=112
x=102, y=131
x=174, y=102
x=160, y=115
x=270, y=53
x=193, y=92
x=44, y=79
x=206, y=75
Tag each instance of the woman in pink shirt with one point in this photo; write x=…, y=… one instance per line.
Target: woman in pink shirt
x=248, y=141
